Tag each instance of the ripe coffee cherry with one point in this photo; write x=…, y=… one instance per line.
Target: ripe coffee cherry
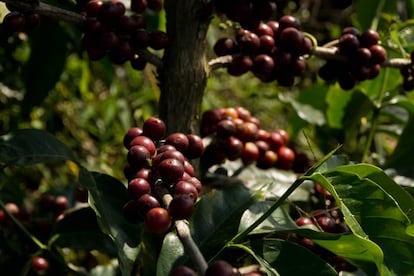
x=285, y=158
x=378, y=54
x=276, y=140
x=219, y=267
x=14, y=21
x=240, y=65
x=186, y=188
x=181, y=207
x=267, y=160
x=92, y=8
x=179, y=141
x=138, y=156
x=233, y=148
x=145, y=142
x=140, y=38
x=174, y=154
x=130, y=135
x=288, y=21
x=171, y=169
x=226, y=46
x=110, y=12
x=188, y=168
x=304, y=221
x=348, y=43
x=138, y=187
x=61, y=204
x=182, y=271
x=154, y=128
x=40, y=264
x=158, y=220
x=250, y=153
x=144, y=173
x=226, y=128
x=327, y=224
x=147, y=202
x=196, y=183
x=249, y=42
x=369, y=38
x=263, y=66
x=158, y=40
x=195, y=146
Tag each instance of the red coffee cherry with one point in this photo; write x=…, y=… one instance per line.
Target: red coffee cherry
x=179, y=141
x=138, y=187
x=158, y=220
x=171, y=170
x=181, y=207
x=154, y=128
x=40, y=264
x=219, y=267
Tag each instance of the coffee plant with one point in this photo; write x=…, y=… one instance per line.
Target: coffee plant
x=203, y=137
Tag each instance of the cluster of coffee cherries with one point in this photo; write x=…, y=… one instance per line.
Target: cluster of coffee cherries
x=236, y=134
x=158, y=165
x=17, y=20
x=248, y=13
x=109, y=31
x=407, y=72
x=272, y=51
x=362, y=58
x=329, y=219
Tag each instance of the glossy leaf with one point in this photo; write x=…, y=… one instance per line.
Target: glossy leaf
x=279, y=220
x=171, y=250
x=30, y=146
x=46, y=63
x=79, y=229
x=107, y=196
x=289, y=258
x=369, y=209
x=216, y=218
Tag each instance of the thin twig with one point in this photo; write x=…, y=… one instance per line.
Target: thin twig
x=326, y=53
x=48, y=10
x=183, y=232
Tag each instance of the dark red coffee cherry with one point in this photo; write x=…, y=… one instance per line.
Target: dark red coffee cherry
x=158, y=220
x=158, y=40
x=137, y=187
x=181, y=207
x=285, y=158
x=130, y=135
x=138, y=156
x=171, y=169
x=154, y=128
x=219, y=267
x=182, y=271
x=14, y=21
x=250, y=153
x=240, y=65
x=226, y=46
x=61, y=204
x=179, y=141
x=304, y=221
x=145, y=142
x=147, y=202
x=195, y=146
x=40, y=264
x=186, y=188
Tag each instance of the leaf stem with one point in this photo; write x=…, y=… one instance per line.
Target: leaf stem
x=22, y=228
x=375, y=21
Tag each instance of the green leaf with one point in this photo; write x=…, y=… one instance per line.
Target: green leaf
x=279, y=220
x=289, y=258
x=305, y=110
x=217, y=216
x=30, y=146
x=371, y=207
x=47, y=60
x=79, y=229
x=171, y=250
x=401, y=158
x=337, y=99
x=270, y=271
x=106, y=197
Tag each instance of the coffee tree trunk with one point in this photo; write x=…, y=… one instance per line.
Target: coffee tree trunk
x=184, y=74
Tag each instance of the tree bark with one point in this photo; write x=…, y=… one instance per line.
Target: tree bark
x=183, y=77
